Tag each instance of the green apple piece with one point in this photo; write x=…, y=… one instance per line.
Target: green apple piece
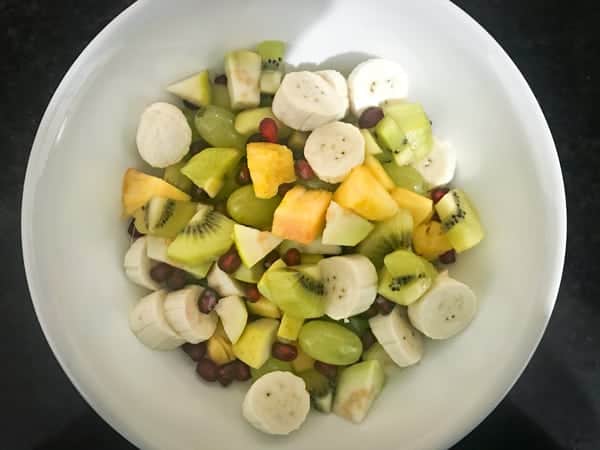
x=317, y=247
x=247, y=275
x=262, y=285
x=243, y=69
x=263, y=308
x=289, y=328
x=195, y=89
x=343, y=227
x=233, y=315
x=252, y=244
x=376, y=352
x=247, y=122
x=393, y=138
x=371, y=145
x=254, y=345
x=208, y=168
x=357, y=388
x=173, y=176
x=156, y=249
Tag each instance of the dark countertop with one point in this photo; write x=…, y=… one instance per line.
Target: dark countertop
x=555, y=404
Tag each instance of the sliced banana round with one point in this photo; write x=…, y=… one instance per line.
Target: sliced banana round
x=148, y=322
x=277, y=403
x=375, y=81
x=350, y=283
x=307, y=100
x=438, y=167
x=398, y=338
x=333, y=150
x=234, y=316
x=163, y=135
x=445, y=310
x=182, y=313
x=223, y=283
x=138, y=265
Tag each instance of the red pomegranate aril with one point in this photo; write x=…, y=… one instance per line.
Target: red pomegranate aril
x=371, y=312
x=207, y=301
x=448, y=258
x=384, y=306
x=161, y=272
x=177, y=279
x=252, y=293
x=303, y=169
x=207, y=369
x=292, y=257
x=435, y=217
x=242, y=371
x=268, y=129
x=284, y=352
x=133, y=231
x=329, y=370
x=230, y=261
x=367, y=339
x=195, y=351
x=284, y=188
x=243, y=176
x=437, y=194
x=226, y=373
x=370, y=117
x=221, y=79
x=270, y=259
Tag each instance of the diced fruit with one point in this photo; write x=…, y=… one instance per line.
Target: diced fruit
x=264, y=308
x=406, y=177
x=139, y=188
x=389, y=235
x=271, y=365
x=271, y=53
x=248, y=122
x=219, y=348
x=289, y=328
x=243, y=70
x=392, y=137
x=301, y=214
x=415, y=125
x=271, y=165
x=174, y=176
x=315, y=247
x=232, y=312
x=139, y=218
x=262, y=286
x=215, y=126
x=220, y=96
x=379, y=172
x=302, y=362
x=430, y=240
x=244, y=207
x=419, y=206
x=357, y=388
x=247, y=275
x=319, y=388
x=222, y=283
x=195, y=89
x=406, y=277
x=371, y=145
x=157, y=250
x=205, y=237
x=166, y=218
x=208, y=168
x=363, y=194
x=307, y=259
x=296, y=142
x=252, y=244
x=254, y=346
x=376, y=352
x=343, y=227
x=297, y=291
x=460, y=220
x=230, y=184
x=270, y=80
x=330, y=342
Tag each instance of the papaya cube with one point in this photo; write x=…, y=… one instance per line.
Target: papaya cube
x=271, y=165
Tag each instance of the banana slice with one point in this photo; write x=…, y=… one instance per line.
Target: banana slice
x=375, y=81
x=277, y=403
x=138, y=265
x=438, y=167
x=398, y=338
x=234, y=316
x=333, y=150
x=445, y=310
x=307, y=100
x=148, y=322
x=182, y=313
x=223, y=283
x=350, y=285
x=163, y=135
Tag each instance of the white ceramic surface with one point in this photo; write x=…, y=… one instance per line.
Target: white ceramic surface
x=476, y=98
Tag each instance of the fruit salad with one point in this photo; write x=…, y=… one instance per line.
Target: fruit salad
x=300, y=236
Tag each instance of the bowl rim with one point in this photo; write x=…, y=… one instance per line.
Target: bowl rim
x=28, y=201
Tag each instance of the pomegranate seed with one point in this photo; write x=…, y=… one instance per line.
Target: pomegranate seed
x=304, y=170
x=370, y=117
x=384, y=306
x=243, y=177
x=208, y=300
x=242, y=372
x=284, y=352
x=195, y=351
x=177, y=280
x=371, y=312
x=230, y=261
x=207, y=369
x=270, y=259
x=221, y=79
x=226, y=373
x=292, y=257
x=161, y=272
x=133, y=231
x=252, y=293
x=435, y=217
x=268, y=128
x=329, y=370
x=367, y=339
x=284, y=188
x=448, y=258
x=437, y=194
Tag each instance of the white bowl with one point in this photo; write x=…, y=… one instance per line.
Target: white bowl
x=74, y=239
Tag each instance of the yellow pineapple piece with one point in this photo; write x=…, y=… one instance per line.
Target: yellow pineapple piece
x=379, y=172
x=430, y=240
x=363, y=194
x=301, y=214
x=420, y=207
x=271, y=165
x=139, y=188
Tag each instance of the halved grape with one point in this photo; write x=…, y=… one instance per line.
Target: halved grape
x=244, y=207
x=215, y=125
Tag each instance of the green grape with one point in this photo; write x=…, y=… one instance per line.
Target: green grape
x=330, y=342
x=406, y=177
x=245, y=208
x=220, y=95
x=271, y=365
x=215, y=125
x=189, y=115
x=358, y=325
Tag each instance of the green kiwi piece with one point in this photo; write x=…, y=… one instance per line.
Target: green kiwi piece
x=173, y=176
x=387, y=236
x=405, y=277
x=460, y=220
x=251, y=275
x=207, y=236
x=414, y=123
x=165, y=217
x=247, y=122
x=296, y=142
x=319, y=388
x=270, y=365
x=272, y=53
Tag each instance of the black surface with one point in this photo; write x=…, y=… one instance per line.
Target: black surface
x=555, y=404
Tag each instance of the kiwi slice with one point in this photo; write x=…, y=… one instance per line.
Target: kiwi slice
x=405, y=277
x=297, y=291
x=416, y=127
x=165, y=217
x=174, y=177
x=207, y=236
x=387, y=236
x=319, y=388
x=271, y=53
x=139, y=220
x=460, y=220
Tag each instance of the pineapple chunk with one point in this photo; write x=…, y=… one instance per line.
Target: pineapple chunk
x=301, y=214
x=420, y=207
x=139, y=188
x=271, y=165
x=363, y=194
x=379, y=172
x=430, y=240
